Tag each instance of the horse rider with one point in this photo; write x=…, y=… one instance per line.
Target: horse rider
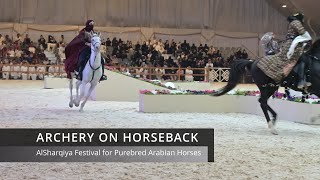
x=278, y=66
x=78, y=51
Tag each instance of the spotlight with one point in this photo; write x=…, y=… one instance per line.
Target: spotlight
x=284, y=6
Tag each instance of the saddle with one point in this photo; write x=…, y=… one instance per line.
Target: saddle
x=83, y=60
x=292, y=79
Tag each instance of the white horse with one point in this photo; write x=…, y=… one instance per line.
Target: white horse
x=91, y=73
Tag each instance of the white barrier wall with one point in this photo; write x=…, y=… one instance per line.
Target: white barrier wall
x=291, y=111
x=119, y=87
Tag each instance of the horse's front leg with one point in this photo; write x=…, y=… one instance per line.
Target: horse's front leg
x=82, y=93
x=77, y=101
x=92, y=86
x=266, y=93
x=71, y=97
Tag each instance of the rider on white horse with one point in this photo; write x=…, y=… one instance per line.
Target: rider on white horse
x=78, y=52
x=85, y=54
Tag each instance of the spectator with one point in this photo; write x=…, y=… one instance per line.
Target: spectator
x=32, y=72
x=32, y=48
x=52, y=71
x=18, y=53
x=8, y=40
x=209, y=67
x=108, y=42
x=180, y=74
x=61, y=52
x=244, y=54
x=18, y=38
x=42, y=43
x=24, y=70
x=26, y=41
x=189, y=74
x=6, y=71
x=52, y=44
x=15, y=73
x=145, y=71
x=61, y=40
x=41, y=69
x=11, y=52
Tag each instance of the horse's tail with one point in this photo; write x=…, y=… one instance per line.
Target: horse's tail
x=236, y=70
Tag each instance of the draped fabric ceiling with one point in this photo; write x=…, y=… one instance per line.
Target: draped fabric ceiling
x=220, y=15
x=216, y=22
x=310, y=8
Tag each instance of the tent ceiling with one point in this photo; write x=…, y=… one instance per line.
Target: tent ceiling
x=308, y=7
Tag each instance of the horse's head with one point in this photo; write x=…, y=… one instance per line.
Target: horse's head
x=95, y=40
x=316, y=46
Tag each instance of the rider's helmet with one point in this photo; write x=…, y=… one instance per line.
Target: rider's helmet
x=89, y=25
x=297, y=16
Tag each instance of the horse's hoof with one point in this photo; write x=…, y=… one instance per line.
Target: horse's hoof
x=273, y=120
x=273, y=131
x=76, y=104
x=70, y=105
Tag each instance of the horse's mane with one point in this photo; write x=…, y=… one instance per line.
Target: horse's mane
x=316, y=45
x=95, y=35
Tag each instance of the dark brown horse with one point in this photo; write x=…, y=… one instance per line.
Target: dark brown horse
x=268, y=87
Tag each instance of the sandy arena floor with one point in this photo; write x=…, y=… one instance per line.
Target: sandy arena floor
x=244, y=148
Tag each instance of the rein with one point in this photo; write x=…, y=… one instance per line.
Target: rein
x=94, y=69
x=314, y=57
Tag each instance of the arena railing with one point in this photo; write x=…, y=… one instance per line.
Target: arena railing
x=169, y=73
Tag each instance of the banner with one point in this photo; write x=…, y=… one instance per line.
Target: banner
x=106, y=145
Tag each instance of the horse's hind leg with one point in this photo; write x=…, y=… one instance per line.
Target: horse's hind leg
x=71, y=97
x=92, y=86
x=82, y=93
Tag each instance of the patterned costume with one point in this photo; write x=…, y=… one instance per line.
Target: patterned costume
x=74, y=48
x=279, y=66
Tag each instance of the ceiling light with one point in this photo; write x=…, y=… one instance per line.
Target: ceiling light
x=284, y=6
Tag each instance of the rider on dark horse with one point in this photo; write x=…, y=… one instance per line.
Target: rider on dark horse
x=279, y=66
x=272, y=71
x=78, y=52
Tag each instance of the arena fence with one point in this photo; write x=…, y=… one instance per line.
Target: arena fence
x=37, y=72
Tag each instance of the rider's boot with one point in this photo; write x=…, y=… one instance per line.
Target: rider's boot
x=79, y=77
x=103, y=77
x=83, y=58
x=302, y=81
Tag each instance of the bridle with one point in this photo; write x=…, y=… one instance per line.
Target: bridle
x=94, y=69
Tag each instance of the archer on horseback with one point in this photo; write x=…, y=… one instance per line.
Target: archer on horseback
x=272, y=71
x=78, y=52
x=279, y=66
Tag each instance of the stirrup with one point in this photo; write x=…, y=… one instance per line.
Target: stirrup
x=301, y=85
